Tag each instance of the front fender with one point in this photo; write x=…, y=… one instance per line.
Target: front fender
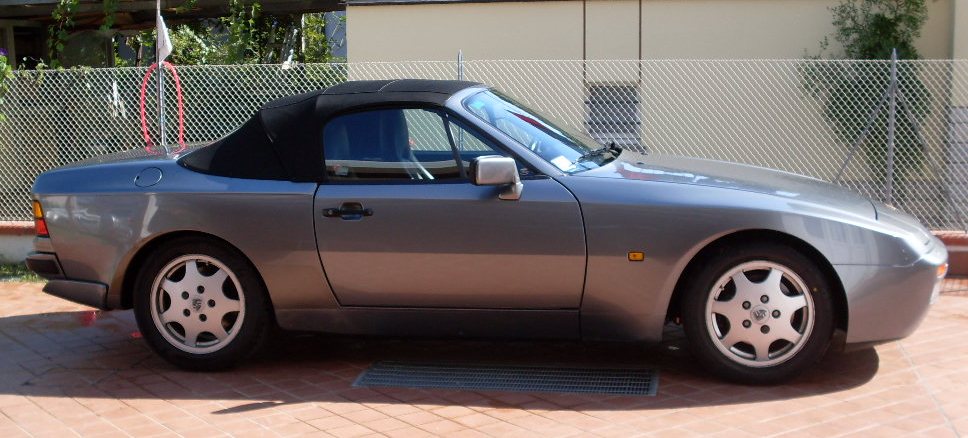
x=672, y=222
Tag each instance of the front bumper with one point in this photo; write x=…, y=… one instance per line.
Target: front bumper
x=889, y=302
x=46, y=265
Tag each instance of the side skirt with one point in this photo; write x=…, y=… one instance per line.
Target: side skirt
x=471, y=323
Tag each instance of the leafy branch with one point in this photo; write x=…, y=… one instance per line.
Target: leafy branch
x=110, y=8
x=59, y=30
x=6, y=73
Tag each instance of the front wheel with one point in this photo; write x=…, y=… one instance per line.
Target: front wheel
x=758, y=314
x=200, y=305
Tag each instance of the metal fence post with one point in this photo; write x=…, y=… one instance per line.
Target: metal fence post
x=891, y=119
x=161, y=107
x=460, y=77
x=460, y=65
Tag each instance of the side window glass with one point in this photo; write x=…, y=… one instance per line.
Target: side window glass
x=470, y=146
x=389, y=145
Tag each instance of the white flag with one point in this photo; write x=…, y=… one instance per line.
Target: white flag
x=164, y=42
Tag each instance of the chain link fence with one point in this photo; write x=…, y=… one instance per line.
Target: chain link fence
x=851, y=122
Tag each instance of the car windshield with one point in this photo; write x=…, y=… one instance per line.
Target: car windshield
x=567, y=150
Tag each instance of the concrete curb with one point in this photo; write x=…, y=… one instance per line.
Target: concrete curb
x=16, y=228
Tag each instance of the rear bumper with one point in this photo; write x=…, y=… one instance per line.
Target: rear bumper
x=81, y=292
x=88, y=293
x=45, y=264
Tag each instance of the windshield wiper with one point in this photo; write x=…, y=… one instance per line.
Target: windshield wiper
x=612, y=150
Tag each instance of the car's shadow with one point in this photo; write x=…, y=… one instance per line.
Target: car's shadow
x=100, y=354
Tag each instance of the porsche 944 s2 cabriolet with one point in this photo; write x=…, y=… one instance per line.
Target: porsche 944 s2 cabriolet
x=445, y=208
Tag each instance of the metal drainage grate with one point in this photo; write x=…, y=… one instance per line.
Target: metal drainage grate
x=624, y=381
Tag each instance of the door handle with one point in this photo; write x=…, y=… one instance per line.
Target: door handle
x=348, y=211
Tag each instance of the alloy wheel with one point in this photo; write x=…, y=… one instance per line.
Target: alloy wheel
x=197, y=304
x=759, y=314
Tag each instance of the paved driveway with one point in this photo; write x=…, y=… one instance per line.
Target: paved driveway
x=67, y=371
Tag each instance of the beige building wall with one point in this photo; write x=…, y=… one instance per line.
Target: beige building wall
x=959, y=95
x=738, y=29
x=959, y=18
x=741, y=29
x=612, y=29
x=612, y=32
x=936, y=41
x=509, y=30
x=958, y=113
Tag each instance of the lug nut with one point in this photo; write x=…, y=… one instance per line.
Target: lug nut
x=211, y=303
x=201, y=289
x=776, y=313
x=202, y=317
x=746, y=305
x=765, y=329
x=747, y=323
x=184, y=295
x=186, y=312
x=764, y=299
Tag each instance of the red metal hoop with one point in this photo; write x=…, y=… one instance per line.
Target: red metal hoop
x=149, y=145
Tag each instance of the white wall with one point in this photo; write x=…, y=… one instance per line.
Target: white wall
x=14, y=249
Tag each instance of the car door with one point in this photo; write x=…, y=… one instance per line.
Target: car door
x=399, y=224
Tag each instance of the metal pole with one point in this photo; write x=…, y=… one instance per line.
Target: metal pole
x=460, y=77
x=460, y=65
x=161, y=86
x=161, y=107
x=891, y=119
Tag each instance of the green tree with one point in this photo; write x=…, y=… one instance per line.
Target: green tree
x=871, y=30
x=198, y=44
x=258, y=38
x=316, y=46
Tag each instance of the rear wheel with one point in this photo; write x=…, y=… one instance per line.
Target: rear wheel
x=200, y=305
x=758, y=314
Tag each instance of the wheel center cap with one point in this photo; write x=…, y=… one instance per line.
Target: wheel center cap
x=759, y=314
x=197, y=304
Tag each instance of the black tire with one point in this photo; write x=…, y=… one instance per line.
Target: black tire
x=245, y=332
x=740, y=361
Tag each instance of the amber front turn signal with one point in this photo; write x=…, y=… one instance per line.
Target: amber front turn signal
x=636, y=256
x=942, y=270
x=40, y=225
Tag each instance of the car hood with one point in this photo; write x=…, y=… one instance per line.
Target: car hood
x=695, y=171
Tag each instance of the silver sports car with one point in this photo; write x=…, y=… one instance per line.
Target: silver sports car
x=445, y=208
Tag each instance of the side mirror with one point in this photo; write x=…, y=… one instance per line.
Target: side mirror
x=495, y=170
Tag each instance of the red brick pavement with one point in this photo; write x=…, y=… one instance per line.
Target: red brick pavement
x=69, y=371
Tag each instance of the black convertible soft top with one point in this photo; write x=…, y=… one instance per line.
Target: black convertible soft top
x=281, y=140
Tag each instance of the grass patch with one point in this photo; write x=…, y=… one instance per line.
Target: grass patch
x=17, y=272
